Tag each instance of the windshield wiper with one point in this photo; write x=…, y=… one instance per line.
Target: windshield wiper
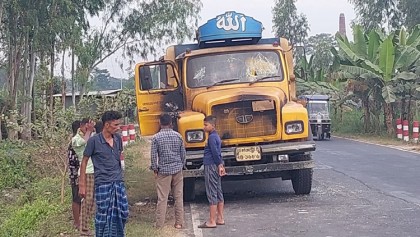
x=263, y=78
x=223, y=81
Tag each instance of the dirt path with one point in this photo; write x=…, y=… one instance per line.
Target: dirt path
x=142, y=194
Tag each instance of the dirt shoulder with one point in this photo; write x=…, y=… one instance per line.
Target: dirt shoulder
x=141, y=192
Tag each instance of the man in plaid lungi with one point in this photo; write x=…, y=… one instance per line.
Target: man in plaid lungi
x=105, y=150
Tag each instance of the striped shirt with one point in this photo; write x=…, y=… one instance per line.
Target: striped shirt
x=167, y=152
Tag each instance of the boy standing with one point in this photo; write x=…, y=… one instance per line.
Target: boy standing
x=79, y=142
x=168, y=159
x=74, y=164
x=213, y=171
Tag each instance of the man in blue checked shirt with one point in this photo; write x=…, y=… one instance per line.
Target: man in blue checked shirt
x=168, y=159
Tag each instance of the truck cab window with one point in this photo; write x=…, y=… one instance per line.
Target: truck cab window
x=157, y=77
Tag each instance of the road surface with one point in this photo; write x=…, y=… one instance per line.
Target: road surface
x=358, y=190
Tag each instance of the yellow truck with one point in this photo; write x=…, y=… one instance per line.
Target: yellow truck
x=248, y=83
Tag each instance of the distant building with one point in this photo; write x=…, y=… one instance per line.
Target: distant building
x=98, y=94
x=342, y=25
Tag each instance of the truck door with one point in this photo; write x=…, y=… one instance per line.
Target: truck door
x=157, y=90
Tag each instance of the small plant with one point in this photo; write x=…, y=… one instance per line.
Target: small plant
x=13, y=165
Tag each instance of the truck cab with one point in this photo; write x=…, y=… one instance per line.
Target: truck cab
x=248, y=84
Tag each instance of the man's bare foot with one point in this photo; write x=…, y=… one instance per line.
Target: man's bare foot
x=220, y=222
x=178, y=226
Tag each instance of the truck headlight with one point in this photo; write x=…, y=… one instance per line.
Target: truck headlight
x=195, y=136
x=294, y=127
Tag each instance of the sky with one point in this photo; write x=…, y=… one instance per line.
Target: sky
x=322, y=15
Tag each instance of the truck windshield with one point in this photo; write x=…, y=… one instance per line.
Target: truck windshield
x=233, y=67
x=318, y=107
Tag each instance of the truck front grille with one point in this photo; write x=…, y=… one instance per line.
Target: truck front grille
x=238, y=120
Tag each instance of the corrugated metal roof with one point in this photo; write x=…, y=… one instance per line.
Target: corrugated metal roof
x=316, y=97
x=92, y=93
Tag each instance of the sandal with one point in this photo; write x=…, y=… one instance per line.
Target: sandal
x=178, y=226
x=220, y=223
x=204, y=225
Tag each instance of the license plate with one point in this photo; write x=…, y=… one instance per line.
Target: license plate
x=248, y=153
x=262, y=105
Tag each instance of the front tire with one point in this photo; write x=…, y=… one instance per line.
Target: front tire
x=302, y=179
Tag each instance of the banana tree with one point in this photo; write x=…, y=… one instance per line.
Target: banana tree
x=380, y=61
x=307, y=71
x=359, y=85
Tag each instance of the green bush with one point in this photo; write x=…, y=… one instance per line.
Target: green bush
x=24, y=220
x=14, y=162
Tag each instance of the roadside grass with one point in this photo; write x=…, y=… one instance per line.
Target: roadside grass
x=351, y=126
x=35, y=209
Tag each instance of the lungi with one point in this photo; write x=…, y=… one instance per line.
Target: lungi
x=111, y=209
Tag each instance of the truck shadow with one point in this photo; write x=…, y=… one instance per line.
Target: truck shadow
x=274, y=189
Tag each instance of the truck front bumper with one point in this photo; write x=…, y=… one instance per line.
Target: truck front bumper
x=269, y=149
x=255, y=169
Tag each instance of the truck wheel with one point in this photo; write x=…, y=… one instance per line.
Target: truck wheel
x=302, y=181
x=189, y=189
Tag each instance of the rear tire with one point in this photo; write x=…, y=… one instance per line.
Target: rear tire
x=189, y=189
x=302, y=179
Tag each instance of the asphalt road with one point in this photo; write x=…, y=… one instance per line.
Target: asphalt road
x=358, y=190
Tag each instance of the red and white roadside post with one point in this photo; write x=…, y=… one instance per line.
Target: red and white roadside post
x=399, y=129
x=416, y=131
x=406, y=136
x=124, y=131
x=122, y=161
x=132, y=133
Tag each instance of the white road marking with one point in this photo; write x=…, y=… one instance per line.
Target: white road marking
x=376, y=144
x=195, y=217
x=409, y=197
x=303, y=212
